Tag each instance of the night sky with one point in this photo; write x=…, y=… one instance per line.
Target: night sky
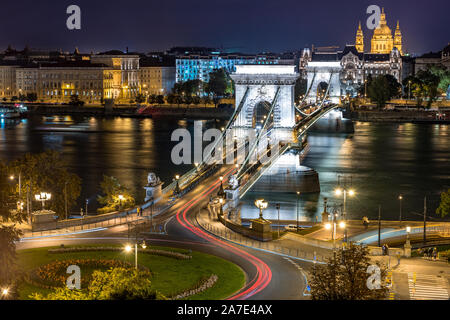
x=239, y=25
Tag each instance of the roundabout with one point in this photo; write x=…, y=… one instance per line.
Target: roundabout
x=173, y=272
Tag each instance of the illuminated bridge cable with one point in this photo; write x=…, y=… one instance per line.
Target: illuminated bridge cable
x=307, y=91
x=258, y=136
x=229, y=124
x=320, y=104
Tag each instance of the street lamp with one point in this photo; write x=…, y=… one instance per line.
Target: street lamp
x=43, y=196
x=121, y=197
x=408, y=243
x=298, y=206
x=278, y=209
x=409, y=90
x=177, y=186
x=5, y=292
x=400, y=198
x=128, y=249
x=12, y=177
x=221, y=205
x=261, y=205
x=221, y=193
x=339, y=192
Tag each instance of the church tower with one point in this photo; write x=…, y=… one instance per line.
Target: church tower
x=382, y=41
x=359, y=39
x=398, y=38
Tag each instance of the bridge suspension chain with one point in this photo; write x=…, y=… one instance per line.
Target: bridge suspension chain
x=254, y=145
x=229, y=124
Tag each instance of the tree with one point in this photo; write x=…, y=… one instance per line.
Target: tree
x=430, y=83
x=205, y=100
x=177, y=88
x=444, y=76
x=75, y=100
x=379, y=91
x=112, y=189
x=122, y=284
x=170, y=99
x=114, y=284
x=152, y=99
x=32, y=97
x=196, y=100
x=140, y=98
x=444, y=206
x=394, y=86
x=345, y=276
x=7, y=200
x=187, y=99
x=9, y=235
x=218, y=84
x=47, y=172
x=160, y=99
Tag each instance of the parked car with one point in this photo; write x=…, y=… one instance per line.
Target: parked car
x=291, y=227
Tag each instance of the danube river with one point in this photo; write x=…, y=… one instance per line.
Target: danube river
x=382, y=159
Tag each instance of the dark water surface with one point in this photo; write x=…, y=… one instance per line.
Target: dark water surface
x=383, y=159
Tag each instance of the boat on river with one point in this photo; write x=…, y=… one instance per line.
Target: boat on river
x=13, y=112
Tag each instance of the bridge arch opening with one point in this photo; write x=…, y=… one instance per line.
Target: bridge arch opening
x=322, y=89
x=260, y=113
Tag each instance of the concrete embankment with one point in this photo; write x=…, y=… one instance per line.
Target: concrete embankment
x=191, y=113
x=399, y=116
x=131, y=111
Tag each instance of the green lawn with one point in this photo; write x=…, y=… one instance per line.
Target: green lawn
x=170, y=275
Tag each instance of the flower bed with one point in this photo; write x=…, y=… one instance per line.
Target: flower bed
x=170, y=254
x=54, y=274
x=200, y=287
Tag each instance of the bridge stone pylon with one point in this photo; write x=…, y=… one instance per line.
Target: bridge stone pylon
x=324, y=71
x=263, y=82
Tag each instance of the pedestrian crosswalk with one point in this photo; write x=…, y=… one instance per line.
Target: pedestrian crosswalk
x=427, y=287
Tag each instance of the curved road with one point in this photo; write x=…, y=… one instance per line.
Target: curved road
x=269, y=276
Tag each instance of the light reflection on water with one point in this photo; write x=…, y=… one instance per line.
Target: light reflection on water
x=122, y=147
x=384, y=160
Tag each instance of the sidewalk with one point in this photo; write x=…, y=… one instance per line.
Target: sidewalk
x=124, y=217
x=421, y=279
x=412, y=278
x=285, y=247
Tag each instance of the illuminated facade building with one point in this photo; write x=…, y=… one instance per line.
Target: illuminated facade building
x=359, y=44
x=354, y=67
x=90, y=82
x=7, y=80
x=156, y=77
x=128, y=66
x=382, y=40
x=199, y=66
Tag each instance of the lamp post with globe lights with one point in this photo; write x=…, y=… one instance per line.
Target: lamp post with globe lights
x=43, y=196
x=261, y=204
x=344, y=191
x=121, y=197
x=128, y=248
x=177, y=186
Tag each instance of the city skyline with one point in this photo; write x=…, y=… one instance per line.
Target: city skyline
x=148, y=26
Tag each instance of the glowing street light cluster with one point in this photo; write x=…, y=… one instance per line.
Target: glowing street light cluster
x=128, y=248
x=261, y=204
x=43, y=196
x=344, y=191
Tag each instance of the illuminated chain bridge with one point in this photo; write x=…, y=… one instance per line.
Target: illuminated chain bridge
x=267, y=123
